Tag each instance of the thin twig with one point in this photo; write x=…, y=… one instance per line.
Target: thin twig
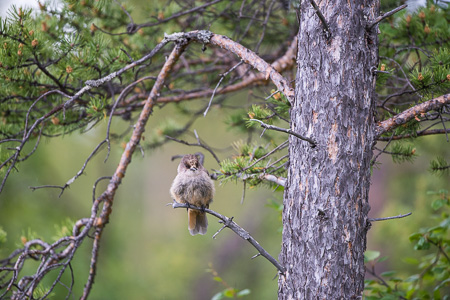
x=217, y=232
x=288, y=131
x=374, y=160
x=390, y=218
x=78, y=174
x=419, y=133
x=125, y=11
x=222, y=77
x=400, y=68
x=35, y=145
x=228, y=222
x=322, y=19
x=279, y=147
x=243, y=191
x=199, y=144
x=382, y=281
x=264, y=25
x=443, y=124
x=384, y=16
x=275, y=162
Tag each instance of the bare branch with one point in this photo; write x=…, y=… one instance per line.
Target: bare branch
x=386, y=15
x=228, y=222
x=27, y=134
x=419, y=133
x=199, y=144
x=108, y=195
x=322, y=19
x=279, y=147
x=59, y=254
x=89, y=85
x=257, y=62
x=242, y=52
x=283, y=63
x=390, y=218
x=374, y=160
x=79, y=173
x=288, y=131
x=409, y=114
x=93, y=265
x=222, y=77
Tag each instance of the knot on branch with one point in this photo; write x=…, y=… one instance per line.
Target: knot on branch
x=204, y=36
x=131, y=28
x=228, y=221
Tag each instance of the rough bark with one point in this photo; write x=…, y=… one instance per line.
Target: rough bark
x=326, y=195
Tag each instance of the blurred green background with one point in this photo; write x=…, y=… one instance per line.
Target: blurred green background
x=147, y=251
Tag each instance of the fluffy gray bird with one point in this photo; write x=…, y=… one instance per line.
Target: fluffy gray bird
x=192, y=185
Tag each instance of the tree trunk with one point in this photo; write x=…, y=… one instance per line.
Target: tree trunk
x=326, y=195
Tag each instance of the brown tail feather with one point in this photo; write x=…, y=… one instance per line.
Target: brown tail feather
x=197, y=222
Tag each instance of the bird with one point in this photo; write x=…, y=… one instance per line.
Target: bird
x=193, y=186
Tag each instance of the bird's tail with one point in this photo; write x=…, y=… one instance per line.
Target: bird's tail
x=197, y=222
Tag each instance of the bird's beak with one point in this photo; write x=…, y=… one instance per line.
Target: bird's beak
x=193, y=169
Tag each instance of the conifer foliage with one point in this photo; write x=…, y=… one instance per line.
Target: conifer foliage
x=71, y=64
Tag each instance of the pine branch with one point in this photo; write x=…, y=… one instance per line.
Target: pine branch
x=283, y=63
x=108, y=196
x=248, y=56
x=60, y=253
x=89, y=84
x=409, y=114
x=255, y=61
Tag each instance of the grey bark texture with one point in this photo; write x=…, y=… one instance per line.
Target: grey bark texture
x=326, y=194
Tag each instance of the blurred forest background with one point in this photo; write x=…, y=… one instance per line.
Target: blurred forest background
x=147, y=251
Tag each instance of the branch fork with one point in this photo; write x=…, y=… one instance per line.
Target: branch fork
x=228, y=222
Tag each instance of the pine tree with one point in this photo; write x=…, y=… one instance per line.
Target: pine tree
x=361, y=77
